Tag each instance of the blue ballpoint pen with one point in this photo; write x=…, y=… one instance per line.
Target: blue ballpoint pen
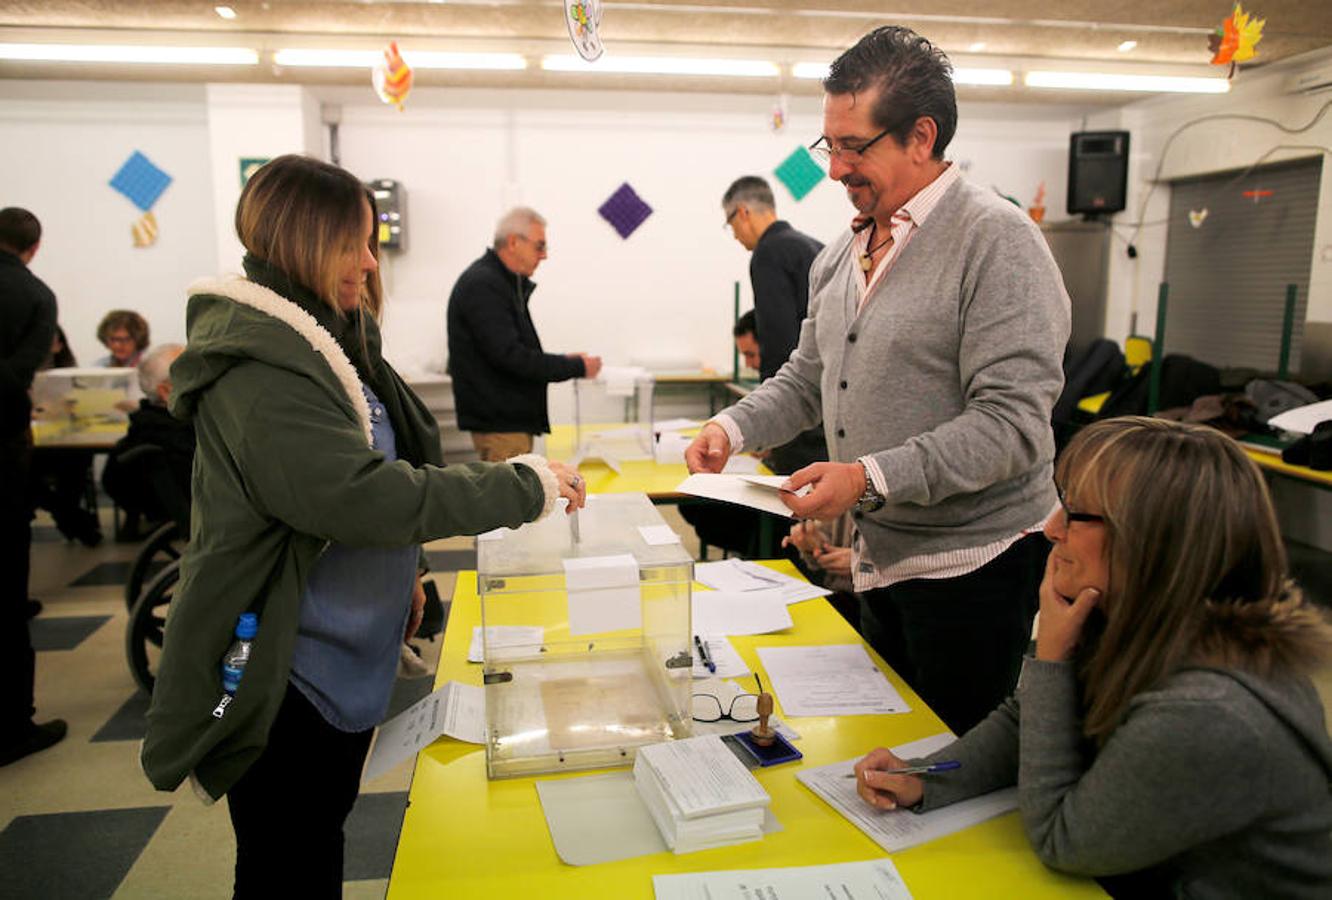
x=948, y=766
x=704, y=655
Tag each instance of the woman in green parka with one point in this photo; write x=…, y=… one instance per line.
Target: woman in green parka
x=317, y=478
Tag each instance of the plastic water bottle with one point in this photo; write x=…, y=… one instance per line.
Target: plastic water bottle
x=233, y=662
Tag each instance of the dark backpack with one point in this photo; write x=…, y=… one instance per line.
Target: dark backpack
x=1183, y=380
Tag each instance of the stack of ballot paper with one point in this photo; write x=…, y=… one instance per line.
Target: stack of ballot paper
x=699, y=794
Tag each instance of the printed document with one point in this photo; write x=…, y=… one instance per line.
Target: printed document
x=829, y=680
x=456, y=709
x=737, y=575
x=724, y=656
x=898, y=829
x=874, y=879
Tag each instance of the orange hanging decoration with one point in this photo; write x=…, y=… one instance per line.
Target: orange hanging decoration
x=1234, y=41
x=392, y=79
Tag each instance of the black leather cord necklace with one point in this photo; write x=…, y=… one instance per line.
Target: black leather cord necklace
x=867, y=258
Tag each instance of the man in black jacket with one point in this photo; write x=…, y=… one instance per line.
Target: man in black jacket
x=498, y=368
x=27, y=325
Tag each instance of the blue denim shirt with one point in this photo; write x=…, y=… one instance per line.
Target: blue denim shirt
x=353, y=615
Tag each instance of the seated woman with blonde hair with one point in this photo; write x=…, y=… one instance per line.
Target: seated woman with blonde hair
x=1166, y=732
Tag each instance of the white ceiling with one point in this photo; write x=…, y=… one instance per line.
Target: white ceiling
x=1171, y=35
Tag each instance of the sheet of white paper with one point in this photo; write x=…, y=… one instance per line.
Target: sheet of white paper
x=676, y=425
x=669, y=448
x=829, y=680
x=1302, y=419
x=458, y=710
x=729, y=612
x=873, y=879
x=702, y=777
x=603, y=594
x=742, y=464
x=527, y=637
x=899, y=829
x=733, y=489
x=774, y=483
x=495, y=534
x=737, y=575
x=656, y=535
x=724, y=656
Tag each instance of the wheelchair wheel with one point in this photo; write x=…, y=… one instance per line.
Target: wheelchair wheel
x=162, y=548
x=147, y=621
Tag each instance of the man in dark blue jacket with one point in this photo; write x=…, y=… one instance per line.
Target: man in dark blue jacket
x=498, y=368
x=27, y=325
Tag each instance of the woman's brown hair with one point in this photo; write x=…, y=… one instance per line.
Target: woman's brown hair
x=304, y=217
x=1193, y=548
x=134, y=324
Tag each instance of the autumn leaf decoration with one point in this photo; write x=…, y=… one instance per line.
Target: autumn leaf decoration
x=1235, y=40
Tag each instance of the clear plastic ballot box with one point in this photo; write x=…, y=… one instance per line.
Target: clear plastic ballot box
x=601, y=662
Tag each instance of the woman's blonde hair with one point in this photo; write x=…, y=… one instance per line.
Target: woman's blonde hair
x=1197, y=570
x=304, y=217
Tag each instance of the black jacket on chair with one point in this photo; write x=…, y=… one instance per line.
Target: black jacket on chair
x=498, y=368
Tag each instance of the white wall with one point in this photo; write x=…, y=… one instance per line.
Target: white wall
x=463, y=157
x=60, y=144
x=1206, y=148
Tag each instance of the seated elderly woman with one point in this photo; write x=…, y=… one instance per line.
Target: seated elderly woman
x=1166, y=732
x=125, y=333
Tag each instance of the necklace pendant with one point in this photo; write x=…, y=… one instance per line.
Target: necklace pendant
x=866, y=262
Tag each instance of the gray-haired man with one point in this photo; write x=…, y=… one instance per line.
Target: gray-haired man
x=932, y=351
x=498, y=368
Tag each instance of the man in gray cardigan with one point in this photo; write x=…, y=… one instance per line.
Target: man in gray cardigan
x=932, y=353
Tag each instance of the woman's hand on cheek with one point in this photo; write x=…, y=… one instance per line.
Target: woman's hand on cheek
x=1061, y=619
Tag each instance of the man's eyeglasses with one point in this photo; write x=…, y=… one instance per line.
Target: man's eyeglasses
x=1070, y=515
x=740, y=708
x=824, y=149
x=730, y=216
x=540, y=245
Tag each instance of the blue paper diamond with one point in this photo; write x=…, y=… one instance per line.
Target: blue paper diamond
x=625, y=210
x=141, y=181
x=800, y=173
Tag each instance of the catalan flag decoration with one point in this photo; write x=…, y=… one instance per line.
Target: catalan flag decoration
x=1234, y=41
x=393, y=78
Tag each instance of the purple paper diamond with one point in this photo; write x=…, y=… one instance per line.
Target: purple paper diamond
x=625, y=210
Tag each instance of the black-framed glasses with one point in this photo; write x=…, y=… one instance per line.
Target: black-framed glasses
x=1070, y=515
x=540, y=245
x=730, y=216
x=824, y=149
x=740, y=708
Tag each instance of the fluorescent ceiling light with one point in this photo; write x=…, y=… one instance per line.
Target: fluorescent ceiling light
x=960, y=76
x=144, y=53
x=1127, y=46
x=663, y=65
x=417, y=59
x=1104, y=81
x=976, y=47
x=225, y=12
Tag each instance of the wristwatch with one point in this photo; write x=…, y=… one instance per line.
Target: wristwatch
x=871, y=500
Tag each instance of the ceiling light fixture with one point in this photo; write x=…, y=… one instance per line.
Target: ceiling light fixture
x=976, y=47
x=417, y=59
x=963, y=75
x=1104, y=81
x=1126, y=46
x=117, y=53
x=663, y=65
x=225, y=12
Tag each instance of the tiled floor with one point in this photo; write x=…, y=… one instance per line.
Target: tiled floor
x=81, y=821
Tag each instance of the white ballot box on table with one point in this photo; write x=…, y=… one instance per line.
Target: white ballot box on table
x=617, y=392
x=613, y=669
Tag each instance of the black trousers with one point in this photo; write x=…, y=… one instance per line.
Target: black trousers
x=289, y=808
x=16, y=656
x=959, y=641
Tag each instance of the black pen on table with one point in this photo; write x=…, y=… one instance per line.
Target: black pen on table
x=704, y=655
x=946, y=766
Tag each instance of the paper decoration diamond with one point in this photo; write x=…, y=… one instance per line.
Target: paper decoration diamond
x=800, y=173
x=141, y=181
x=625, y=210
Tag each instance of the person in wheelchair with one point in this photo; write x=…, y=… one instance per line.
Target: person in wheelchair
x=148, y=471
x=317, y=477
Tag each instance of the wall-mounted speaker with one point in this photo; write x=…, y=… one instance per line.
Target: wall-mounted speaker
x=1097, y=172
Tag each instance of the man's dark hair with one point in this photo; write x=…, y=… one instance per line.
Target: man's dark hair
x=746, y=324
x=914, y=78
x=19, y=230
x=749, y=190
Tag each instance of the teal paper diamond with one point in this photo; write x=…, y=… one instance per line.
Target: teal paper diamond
x=800, y=173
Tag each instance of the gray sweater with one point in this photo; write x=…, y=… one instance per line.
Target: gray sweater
x=946, y=377
x=1216, y=783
